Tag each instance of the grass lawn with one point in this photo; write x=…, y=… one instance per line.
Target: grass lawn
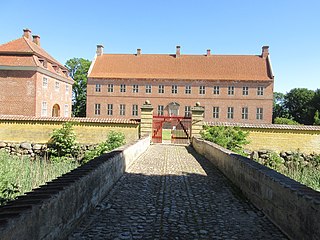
x=166, y=134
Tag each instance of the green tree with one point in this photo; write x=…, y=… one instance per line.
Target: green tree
x=299, y=102
x=316, y=118
x=279, y=109
x=286, y=121
x=78, y=68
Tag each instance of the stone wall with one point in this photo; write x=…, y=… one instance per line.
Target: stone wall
x=52, y=210
x=88, y=130
x=293, y=207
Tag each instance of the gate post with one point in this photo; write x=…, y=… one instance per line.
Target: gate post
x=197, y=119
x=146, y=119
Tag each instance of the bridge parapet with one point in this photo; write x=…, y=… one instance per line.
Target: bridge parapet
x=293, y=207
x=52, y=210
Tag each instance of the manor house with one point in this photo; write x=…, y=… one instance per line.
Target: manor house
x=231, y=88
x=33, y=83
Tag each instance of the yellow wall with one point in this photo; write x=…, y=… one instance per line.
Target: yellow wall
x=40, y=131
x=283, y=140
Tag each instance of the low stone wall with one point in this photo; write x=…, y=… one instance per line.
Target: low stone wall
x=293, y=207
x=52, y=210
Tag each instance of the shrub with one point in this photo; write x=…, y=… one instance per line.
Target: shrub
x=232, y=138
x=285, y=121
x=63, y=142
x=114, y=140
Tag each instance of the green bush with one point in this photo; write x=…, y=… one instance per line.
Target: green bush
x=114, y=140
x=232, y=138
x=63, y=142
x=285, y=121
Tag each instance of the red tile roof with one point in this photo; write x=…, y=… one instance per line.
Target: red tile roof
x=160, y=66
x=266, y=126
x=64, y=119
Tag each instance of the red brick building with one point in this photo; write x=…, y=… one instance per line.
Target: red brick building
x=32, y=83
x=232, y=88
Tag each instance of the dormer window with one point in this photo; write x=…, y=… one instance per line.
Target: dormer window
x=43, y=62
x=65, y=72
x=55, y=67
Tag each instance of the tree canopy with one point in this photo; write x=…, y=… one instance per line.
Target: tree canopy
x=78, y=68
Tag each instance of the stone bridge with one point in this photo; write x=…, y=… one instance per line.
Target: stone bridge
x=166, y=192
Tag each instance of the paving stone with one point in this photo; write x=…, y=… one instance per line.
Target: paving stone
x=171, y=192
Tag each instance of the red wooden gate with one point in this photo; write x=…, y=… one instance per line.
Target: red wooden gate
x=171, y=129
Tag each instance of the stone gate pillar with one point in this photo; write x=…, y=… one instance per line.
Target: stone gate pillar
x=197, y=114
x=146, y=119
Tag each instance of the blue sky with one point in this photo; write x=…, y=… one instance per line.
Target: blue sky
x=73, y=29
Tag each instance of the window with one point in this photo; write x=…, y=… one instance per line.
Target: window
x=161, y=88
x=231, y=90
x=110, y=87
x=245, y=90
x=67, y=89
x=110, y=109
x=245, y=113
x=230, y=113
x=122, y=109
x=57, y=86
x=259, y=113
x=134, y=110
x=97, y=109
x=202, y=90
x=160, y=110
x=174, y=89
x=216, y=90
x=215, y=112
x=44, y=109
x=135, y=88
x=187, y=111
x=260, y=91
x=148, y=89
x=66, y=110
x=44, y=82
x=122, y=88
x=98, y=87
x=188, y=89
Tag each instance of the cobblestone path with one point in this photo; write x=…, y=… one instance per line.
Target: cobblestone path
x=173, y=193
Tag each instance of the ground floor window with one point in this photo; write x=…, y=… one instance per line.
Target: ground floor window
x=215, y=112
x=134, y=110
x=122, y=109
x=245, y=113
x=187, y=111
x=110, y=109
x=44, y=109
x=259, y=113
x=160, y=110
x=230, y=113
x=97, y=107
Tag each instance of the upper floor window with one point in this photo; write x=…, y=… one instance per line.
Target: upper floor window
x=161, y=89
x=216, y=90
x=230, y=113
x=122, y=88
x=245, y=112
x=135, y=88
x=122, y=109
x=148, y=89
x=260, y=91
x=67, y=89
x=110, y=87
x=66, y=110
x=110, y=109
x=97, y=107
x=57, y=86
x=202, y=90
x=98, y=87
x=44, y=109
x=188, y=89
x=187, y=111
x=231, y=90
x=134, y=110
x=259, y=114
x=44, y=82
x=245, y=91
x=160, y=110
x=215, y=112
x=174, y=89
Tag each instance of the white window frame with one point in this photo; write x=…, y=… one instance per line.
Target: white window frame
x=230, y=113
x=260, y=91
x=123, y=88
x=66, y=110
x=148, y=88
x=44, y=109
x=135, y=88
x=202, y=90
x=109, y=109
x=67, y=89
x=245, y=91
x=45, y=82
x=187, y=111
x=231, y=90
x=135, y=110
x=188, y=89
x=57, y=86
x=216, y=90
x=174, y=89
x=215, y=112
x=259, y=115
x=245, y=113
x=122, y=109
x=160, y=110
x=97, y=109
x=98, y=87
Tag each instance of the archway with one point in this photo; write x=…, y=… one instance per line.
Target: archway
x=173, y=108
x=56, y=110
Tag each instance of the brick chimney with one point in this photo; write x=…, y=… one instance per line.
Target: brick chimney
x=177, y=51
x=208, y=52
x=265, y=52
x=27, y=33
x=138, y=51
x=36, y=39
x=99, y=51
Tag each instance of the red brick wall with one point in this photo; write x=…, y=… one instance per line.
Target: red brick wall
x=208, y=100
x=17, y=93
